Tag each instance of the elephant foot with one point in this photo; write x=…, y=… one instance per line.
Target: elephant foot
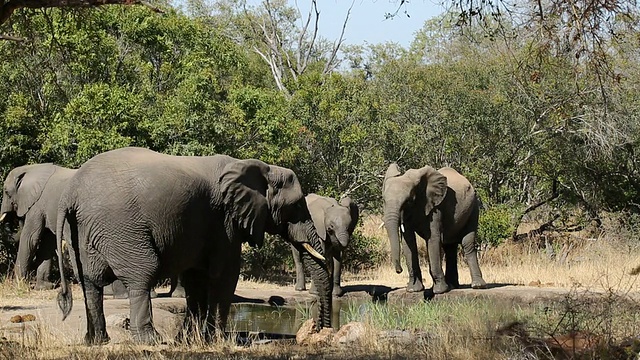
x=440, y=288
x=149, y=337
x=179, y=293
x=337, y=291
x=301, y=287
x=479, y=284
x=153, y=294
x=97, y=339
x=415, y=286
x=44, y=285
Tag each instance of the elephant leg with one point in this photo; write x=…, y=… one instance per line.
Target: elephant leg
x=222, y=289
x=337, y=272
x=44, y=254
x=178, y=289
x=141, y=315
x=410, y=249
x=118, y=290
x=195, y=284
x=471, y=254
x=434, y=246
x=300, y=279
x=30, y=235
x=96, y=325
x=451, y=261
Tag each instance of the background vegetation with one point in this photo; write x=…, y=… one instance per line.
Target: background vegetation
x=530, y=120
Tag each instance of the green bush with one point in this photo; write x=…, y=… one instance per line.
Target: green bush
x=273, y=258
x=363, y=252
x=496, y=224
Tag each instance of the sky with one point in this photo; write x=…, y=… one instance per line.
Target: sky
x=367, y=21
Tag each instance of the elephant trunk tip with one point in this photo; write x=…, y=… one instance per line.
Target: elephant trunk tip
x=398, y=269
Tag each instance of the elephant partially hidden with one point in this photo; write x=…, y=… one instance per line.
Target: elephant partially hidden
x=442, y=207
x=335, y=222
x=139, y=216
x=31, y=195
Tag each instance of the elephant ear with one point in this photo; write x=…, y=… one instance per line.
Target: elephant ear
x=435, y=185
x=244, y=188
x=318, y=221
x=30, y=183
x=353, y=210
x=392, y=171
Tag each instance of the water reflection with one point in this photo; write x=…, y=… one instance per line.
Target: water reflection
x=285, y=319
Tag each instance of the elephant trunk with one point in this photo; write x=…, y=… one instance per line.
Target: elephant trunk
x=25, y=253
x=392, y=224
x=320, y=276
x=343, y=238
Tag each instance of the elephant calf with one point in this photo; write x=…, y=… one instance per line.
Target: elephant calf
x=335, y=222
x=442, y=207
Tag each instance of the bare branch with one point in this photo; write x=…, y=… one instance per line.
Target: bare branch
x=330, y=65
x=11, y=38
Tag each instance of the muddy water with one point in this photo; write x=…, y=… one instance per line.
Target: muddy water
x=280, y=319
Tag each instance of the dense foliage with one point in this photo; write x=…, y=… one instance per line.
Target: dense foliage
x=522, y=119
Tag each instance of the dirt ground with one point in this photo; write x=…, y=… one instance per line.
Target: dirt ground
x=168, y=312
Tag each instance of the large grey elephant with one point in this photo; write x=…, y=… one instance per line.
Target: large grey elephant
x=442, y=207
x=139, y=216
x=31, y=195
x=335, y=222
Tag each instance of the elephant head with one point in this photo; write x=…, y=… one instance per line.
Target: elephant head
x=23, y=187
x=416, y=190
x=336, y=224
x=269, y=198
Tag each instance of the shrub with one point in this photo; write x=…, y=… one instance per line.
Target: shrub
x=496, y=224
x=363, y=252
x=272, y=258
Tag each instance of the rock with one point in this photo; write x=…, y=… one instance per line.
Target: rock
x=350, y=333
x=28, y=317
x=16, y=319
x=305, y=331
x=306, y=335
x=535, y=283
x=118, y=320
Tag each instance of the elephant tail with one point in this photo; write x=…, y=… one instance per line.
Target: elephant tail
x=65, y=298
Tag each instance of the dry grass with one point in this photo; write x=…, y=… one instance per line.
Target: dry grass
x=602, y=262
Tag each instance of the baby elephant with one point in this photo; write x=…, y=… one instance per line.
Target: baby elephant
x=335, y=222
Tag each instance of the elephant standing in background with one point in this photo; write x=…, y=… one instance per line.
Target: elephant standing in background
x=31, y=195
x=335, y=222
x=139, y=216
x=442, y=207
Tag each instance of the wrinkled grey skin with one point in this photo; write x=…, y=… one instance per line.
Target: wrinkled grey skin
x=31, y=194
x=335, y=222
x=139, y=216
x=442, y=207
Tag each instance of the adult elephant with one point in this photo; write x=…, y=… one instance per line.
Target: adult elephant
x=335, y=222
x=31, y=195
x=442, y=207
x=139, y=216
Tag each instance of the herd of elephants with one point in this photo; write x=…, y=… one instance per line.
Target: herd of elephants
x=134, y=217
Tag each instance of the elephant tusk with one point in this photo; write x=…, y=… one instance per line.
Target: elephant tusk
x=4, y=215
x=381, y=225
x=402, y=228
x=313, y=251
